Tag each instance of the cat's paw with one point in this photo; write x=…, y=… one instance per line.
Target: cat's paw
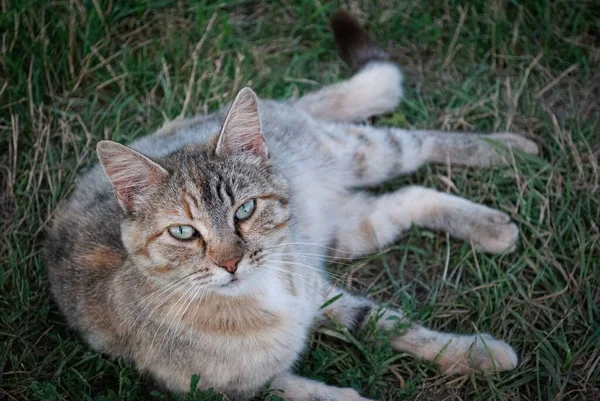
x=485, y=353
x=516, y=141
x=493, y=231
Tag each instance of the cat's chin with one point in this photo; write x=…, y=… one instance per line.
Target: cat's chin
x=235, y=281
x=233, y=288
x=236, y=285
x=248, y=281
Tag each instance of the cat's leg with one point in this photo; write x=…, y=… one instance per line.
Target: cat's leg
x=296, y=388
x=376, y=154
x=376, y=89
x=454, y=353
x=368, y=223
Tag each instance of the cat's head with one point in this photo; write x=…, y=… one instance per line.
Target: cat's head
x=207, y=215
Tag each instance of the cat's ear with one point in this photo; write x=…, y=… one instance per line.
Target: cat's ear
x=130, y=172
x=241, y=134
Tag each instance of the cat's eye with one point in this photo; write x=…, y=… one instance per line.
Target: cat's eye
x=245, y=210
x=182, y=232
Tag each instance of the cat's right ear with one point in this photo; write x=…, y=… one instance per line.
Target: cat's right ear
x=129, y=172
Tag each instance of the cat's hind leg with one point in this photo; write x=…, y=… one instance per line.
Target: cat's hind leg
x=368, y=223
x=454, y=353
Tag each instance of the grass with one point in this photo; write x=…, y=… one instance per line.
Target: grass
x=74, y=72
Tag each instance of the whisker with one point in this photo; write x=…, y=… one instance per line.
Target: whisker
x=294, y=274
x=338, y=278
x=315, y=256
x=311, y=244
x=333, y=275
x=178, y=328
x=175, y=287
x=160, y=325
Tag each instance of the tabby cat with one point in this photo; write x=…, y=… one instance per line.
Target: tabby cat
x=199, y=249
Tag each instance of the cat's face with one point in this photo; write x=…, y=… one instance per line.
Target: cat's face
x=212, y=222
x=207, y=217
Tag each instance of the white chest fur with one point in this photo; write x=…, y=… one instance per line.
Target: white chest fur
x=244, y=343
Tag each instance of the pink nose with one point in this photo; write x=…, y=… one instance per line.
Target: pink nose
x=230, y=264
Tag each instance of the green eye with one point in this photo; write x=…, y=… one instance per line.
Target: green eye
x=182, y=232
x=245, y=210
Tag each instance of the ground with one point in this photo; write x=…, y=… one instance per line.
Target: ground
x=74, y=72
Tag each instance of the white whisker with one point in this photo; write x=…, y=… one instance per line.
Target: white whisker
x=178, y=327
x=315, y=256
x=322, y=271
x=311, y=244
x=294, y=274
x=331, y=275
x=160, y=325
x=174, y=288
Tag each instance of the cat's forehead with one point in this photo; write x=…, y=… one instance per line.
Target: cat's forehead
x=209, y=184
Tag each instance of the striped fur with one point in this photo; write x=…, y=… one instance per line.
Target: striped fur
x=136, y=292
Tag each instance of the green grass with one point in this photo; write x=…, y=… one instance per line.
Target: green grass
x=72, y=73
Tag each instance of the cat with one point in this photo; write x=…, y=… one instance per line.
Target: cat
x=200, y=249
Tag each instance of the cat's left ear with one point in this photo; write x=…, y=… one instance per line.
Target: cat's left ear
x=241, y=134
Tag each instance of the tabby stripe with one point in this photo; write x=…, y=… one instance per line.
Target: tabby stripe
x=229, y=193
x=361, y=316
x=219, y=191
x=152, y=238
x=186, y=207
x=280, y=225
x=283, y=201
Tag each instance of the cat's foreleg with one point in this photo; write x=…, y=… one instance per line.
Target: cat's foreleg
x=295, y=388
x=368, y=223
x=454, y=353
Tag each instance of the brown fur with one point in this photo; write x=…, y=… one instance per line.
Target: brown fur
x=234, y=302
x=103, y=257
x=229, y=317
x=357, y=48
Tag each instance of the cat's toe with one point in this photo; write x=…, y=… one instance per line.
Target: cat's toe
x=529, y=146
x=499, y=218
x=496, y=233
x=489, y=354
x=516, y=141
x=484, y=354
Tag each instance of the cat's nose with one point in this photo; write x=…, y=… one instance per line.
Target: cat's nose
x=230, y=264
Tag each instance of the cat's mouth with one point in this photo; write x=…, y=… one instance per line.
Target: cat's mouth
x=233, y=282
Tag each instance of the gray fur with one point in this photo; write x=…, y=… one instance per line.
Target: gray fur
x=115, y=273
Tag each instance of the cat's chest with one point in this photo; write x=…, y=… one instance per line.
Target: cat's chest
x=252, y=341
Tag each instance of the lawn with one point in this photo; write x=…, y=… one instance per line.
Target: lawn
x=72, y=73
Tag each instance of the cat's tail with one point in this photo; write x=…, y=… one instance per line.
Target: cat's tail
x=357, y=47
x=375, y=89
